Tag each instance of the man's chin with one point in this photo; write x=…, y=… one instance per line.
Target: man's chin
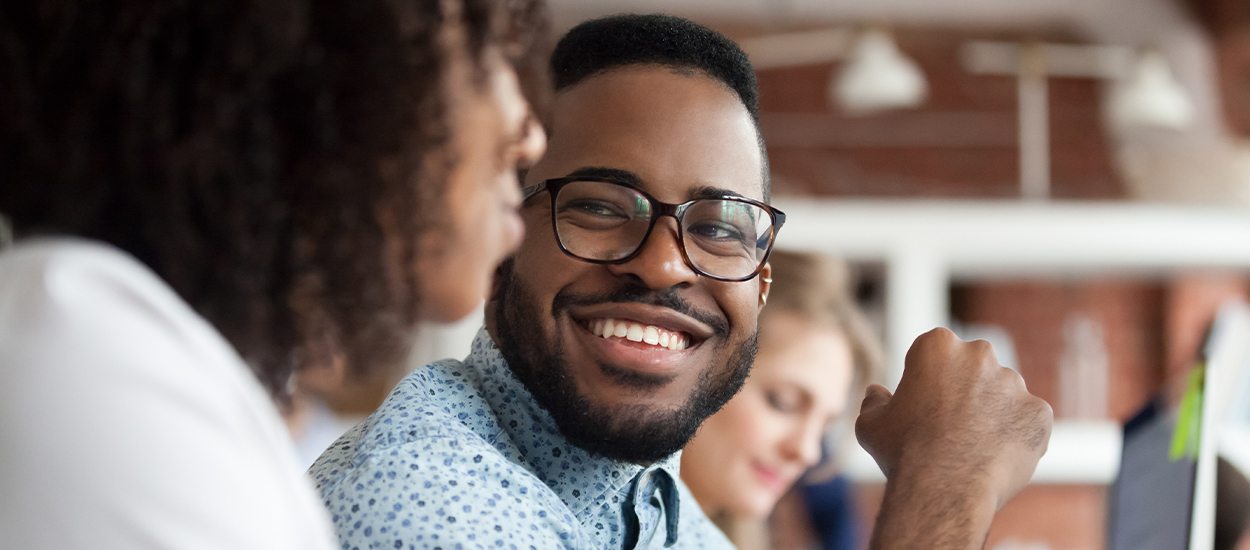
x=627, y=415
x=637, y=434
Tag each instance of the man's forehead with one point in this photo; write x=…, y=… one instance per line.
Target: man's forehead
x=674, y=132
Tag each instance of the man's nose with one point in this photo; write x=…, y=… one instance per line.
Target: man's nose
x=660, y=264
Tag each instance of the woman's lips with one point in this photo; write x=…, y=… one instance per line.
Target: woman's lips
x=770, y=478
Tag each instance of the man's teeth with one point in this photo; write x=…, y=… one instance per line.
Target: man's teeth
x=638, y=332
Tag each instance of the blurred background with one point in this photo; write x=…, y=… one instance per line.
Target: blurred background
x=1051, y=176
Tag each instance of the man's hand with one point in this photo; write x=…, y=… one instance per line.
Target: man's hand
x=958, y=439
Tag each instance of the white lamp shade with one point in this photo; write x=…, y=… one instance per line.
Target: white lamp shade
x=1150, y=97
x=878, y=77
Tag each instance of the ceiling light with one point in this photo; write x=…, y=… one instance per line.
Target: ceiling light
x=1150, y=97
x=877, y=77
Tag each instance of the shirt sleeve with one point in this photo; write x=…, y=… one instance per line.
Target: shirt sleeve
x=125, y=423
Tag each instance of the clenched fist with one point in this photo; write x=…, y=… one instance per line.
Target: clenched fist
x=959, y=438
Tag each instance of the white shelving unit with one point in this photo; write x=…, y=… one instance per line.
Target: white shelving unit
x=925, y=245
x=1080, y=452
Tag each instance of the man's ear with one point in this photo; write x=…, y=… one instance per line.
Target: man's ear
x=766, y=282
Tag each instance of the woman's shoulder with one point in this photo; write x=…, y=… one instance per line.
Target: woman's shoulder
x=76, y=304
x=113, y=385
x=84, y=319
x=65, y=285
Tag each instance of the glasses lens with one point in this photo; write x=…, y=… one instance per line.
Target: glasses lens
x=727, y=238
x=601, y=221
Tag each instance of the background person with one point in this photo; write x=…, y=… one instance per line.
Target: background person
x=817, y=354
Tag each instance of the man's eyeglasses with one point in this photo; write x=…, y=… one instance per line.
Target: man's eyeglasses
x=606, y=222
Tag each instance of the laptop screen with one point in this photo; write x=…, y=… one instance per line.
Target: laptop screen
x=1151, y=501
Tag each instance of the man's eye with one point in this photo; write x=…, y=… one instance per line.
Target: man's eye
x=595, y=208
x=718, y=231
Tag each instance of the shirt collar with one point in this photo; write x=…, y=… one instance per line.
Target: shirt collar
x=555, y=460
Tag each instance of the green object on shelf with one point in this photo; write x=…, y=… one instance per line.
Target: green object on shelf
x=1188, y=434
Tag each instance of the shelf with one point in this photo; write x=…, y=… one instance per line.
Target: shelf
x=1012, y=238
x=1081, y=452
x=927, y=244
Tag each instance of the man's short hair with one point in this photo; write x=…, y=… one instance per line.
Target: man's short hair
x=602, y=45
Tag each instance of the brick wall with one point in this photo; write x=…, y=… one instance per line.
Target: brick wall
x=1129, y=312
x=960, y=143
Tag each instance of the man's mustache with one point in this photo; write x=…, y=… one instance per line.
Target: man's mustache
x=667, y=298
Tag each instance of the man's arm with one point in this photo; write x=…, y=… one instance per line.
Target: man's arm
x=960, y=437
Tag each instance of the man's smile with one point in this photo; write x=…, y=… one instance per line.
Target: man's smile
x=647, y=339
x=635, y=331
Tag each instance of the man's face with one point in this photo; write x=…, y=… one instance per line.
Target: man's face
x=679, y=136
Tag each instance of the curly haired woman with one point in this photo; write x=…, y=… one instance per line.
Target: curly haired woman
x=210, y=197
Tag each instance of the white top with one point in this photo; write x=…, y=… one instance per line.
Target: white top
x=128, y=422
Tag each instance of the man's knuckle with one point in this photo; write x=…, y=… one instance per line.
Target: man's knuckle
x=1011, y=378
x=1045, y=411
x=935, y=336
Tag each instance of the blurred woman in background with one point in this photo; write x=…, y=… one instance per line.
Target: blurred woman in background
x=816, y=356
x=210, y=198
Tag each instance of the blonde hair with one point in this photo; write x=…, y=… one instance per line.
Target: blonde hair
x=817, y=288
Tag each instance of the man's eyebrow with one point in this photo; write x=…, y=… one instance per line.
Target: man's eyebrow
x=617, y=175
x=712, y=192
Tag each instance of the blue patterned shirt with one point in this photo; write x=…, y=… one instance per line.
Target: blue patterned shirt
x=462, y=456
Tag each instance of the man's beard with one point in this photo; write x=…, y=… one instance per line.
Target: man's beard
x=634, y=433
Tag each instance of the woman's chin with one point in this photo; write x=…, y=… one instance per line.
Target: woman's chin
x=450, y=307
x=755, y=507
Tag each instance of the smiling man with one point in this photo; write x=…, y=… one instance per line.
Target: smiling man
x=639, y=319
x=627, y=317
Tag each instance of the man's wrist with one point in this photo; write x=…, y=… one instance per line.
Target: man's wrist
x=933, y=505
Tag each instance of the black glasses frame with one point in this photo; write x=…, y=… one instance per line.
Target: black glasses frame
x=661, y=209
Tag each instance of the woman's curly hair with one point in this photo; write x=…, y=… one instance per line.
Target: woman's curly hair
x=274, y=161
